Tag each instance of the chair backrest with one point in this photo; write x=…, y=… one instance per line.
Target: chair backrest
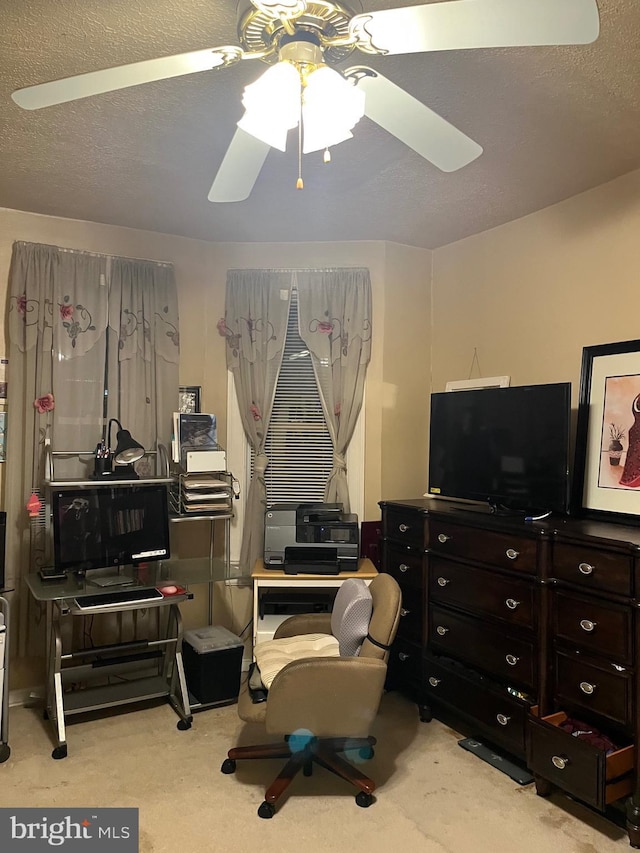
x=387, y=601
x=350, y=615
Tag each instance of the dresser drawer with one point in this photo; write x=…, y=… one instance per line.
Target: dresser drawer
x=483, y=592
x=405, y=564
x=411, y=624
x=405, y=664
x=597, y=626
x=593, y=568
x=502, y=717
x=576, y=766
x=404, y=525
x=602, y=690
x=489, y=648
x=501, y=550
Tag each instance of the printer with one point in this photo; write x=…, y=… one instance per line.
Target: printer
x=310, y=538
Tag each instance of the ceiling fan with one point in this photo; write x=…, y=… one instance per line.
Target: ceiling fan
x=303, y=40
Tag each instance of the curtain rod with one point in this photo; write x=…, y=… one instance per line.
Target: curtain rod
x=95, y=254
x=298, y=269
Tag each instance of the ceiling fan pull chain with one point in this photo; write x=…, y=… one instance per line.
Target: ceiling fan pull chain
x=300, y=182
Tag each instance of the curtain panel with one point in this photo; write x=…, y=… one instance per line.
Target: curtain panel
x=334, y=316
x=79, y=324
x=334, y=319
x=255, y=328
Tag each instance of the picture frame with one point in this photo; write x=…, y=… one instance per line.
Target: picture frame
x=606, y=482
x=189, y=399
x=484, y=382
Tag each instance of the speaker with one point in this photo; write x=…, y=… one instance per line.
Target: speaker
x=3, y=530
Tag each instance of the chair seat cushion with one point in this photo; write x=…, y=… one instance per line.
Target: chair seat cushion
x=272, y=655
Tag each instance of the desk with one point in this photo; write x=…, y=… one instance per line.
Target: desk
x=277, y=579
x=164, y=676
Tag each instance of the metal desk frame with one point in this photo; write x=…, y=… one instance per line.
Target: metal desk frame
x=58, y=597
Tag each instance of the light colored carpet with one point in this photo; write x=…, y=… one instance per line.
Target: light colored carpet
x=432, y=795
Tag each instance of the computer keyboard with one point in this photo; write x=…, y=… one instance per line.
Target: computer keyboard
x=118, y=597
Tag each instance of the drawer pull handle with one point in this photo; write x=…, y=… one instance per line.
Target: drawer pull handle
x=433, y=681
x=587, y=625
x=403, y=567
x=404, y=612
x=512, y=660
x=502, y=719
x=443, y=581
x=560, y=762
x=403, y=656
x=403, y=528
x=512, y=603
x=587, y=688
x=585, y=569
x=442, y=538
x=512, y=554
x=441, y=630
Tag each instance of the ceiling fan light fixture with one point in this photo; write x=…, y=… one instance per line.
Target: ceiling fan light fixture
x=272, y=105
x=331, y=108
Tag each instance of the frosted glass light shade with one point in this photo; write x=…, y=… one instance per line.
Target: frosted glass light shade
x=272, y=105
x=331, y=108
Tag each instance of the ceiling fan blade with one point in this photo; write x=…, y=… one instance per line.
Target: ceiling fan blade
x=123, y=76
x=413, y=123
x=461, y=24
x=239, y=169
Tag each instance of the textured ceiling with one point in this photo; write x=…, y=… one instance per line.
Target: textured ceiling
x=553, y=121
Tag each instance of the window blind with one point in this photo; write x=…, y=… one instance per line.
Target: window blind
x=298, y=444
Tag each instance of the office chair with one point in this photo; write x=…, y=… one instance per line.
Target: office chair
x=324, y=707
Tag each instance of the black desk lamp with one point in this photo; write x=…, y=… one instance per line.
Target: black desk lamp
x=127, y=451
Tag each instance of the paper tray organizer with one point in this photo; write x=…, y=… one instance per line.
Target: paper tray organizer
x=206, y=493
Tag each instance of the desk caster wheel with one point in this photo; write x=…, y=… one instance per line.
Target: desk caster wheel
x=228, y=766
x=266, y=810
x=183, y=725
x=59, y=752
x=5, y=752
x=364, y=800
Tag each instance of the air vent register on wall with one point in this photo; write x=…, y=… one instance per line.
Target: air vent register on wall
x=506, y=447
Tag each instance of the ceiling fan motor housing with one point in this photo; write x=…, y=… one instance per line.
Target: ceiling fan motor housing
x=321, y=21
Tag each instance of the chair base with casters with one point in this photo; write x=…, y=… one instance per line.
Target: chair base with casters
x=323, y=751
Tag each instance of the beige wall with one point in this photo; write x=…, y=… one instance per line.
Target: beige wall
x=531, y=294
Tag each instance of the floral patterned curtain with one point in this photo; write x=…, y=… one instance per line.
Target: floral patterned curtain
x=69, y=314
x=334, y=311
x=334, y=318
x=255, y=328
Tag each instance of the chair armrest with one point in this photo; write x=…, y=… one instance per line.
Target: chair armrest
x=331, y=697
x=304, y=623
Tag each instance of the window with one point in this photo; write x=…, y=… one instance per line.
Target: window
x=299, y=446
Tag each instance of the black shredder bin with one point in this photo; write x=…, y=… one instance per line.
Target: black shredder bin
x=212, y=658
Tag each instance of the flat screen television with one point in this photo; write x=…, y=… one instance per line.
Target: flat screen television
x=508, y=447
x=104, y=526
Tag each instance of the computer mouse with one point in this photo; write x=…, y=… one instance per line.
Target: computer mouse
x=168, y=590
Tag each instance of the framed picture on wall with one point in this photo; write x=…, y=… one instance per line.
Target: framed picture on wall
x=607, y=463
x=189, y=399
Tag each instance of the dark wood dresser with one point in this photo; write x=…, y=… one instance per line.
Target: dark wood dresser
x=527, y=633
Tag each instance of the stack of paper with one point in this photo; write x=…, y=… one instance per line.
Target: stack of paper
x=205, y=493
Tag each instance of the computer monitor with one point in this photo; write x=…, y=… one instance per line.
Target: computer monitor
x=112, y=525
